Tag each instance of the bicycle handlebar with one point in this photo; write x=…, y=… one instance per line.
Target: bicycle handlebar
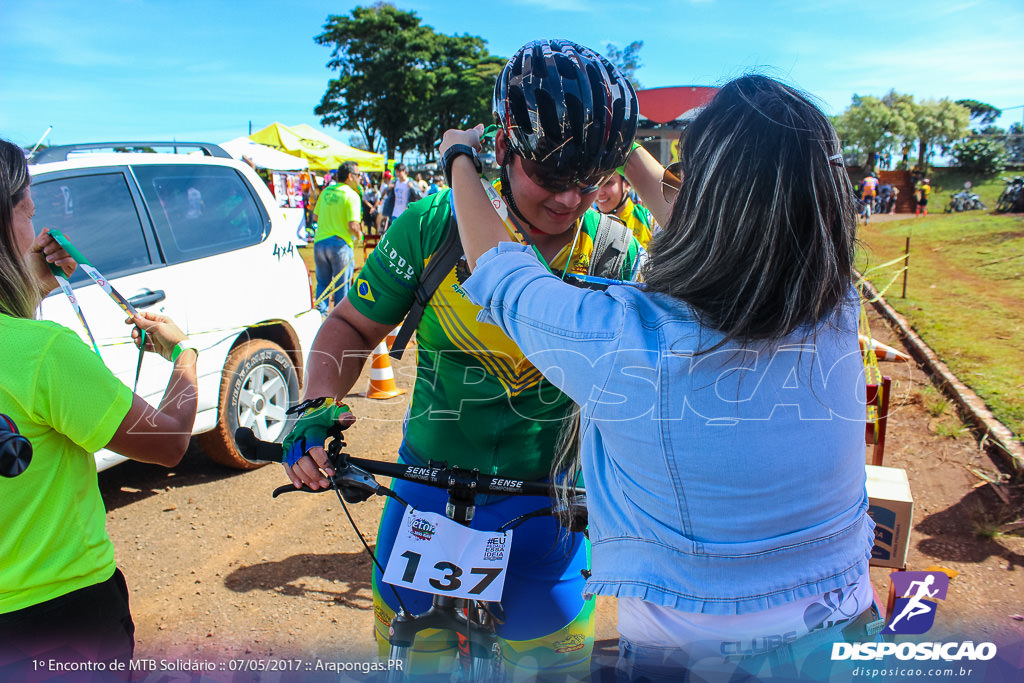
x=350, y=469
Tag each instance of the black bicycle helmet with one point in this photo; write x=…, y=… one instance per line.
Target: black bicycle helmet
x=565, y=106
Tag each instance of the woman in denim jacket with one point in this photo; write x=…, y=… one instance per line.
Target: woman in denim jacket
x=722, y=404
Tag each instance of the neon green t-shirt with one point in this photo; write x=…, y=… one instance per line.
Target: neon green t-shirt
x=67, y=403
x=477, y=401
x=336, y=207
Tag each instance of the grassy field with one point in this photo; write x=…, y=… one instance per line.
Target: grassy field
x=965, y=291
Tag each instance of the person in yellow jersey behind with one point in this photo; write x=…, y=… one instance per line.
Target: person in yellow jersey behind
x=615, y=198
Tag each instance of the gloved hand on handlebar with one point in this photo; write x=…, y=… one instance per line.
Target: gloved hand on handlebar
x=305, y=460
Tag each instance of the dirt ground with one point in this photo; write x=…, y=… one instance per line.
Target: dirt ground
x=220, y=571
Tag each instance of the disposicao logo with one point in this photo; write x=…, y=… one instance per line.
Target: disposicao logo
x=916, y=594
x=913, y=613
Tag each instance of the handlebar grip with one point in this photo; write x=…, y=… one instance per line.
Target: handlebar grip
x=254, y=450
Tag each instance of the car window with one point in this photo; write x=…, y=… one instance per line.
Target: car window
x=200, y=210
x=98, y=215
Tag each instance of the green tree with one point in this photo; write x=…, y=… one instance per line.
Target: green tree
x=902, y=128
x=866, y=127
x=380, y=54
x=627, y=60
x=983, y=156
x=982, y=113
x=462, y=75
x=938, y=123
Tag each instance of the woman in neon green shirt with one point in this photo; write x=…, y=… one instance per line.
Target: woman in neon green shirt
x=61, y=596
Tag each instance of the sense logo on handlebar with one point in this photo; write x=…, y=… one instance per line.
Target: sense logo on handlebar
x=435, y=555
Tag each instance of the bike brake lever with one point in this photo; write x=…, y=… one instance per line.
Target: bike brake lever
x=289, y=488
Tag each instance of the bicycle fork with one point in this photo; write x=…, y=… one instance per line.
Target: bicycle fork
x=479, y=650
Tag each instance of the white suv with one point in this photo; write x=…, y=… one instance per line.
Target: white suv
x=199, y=237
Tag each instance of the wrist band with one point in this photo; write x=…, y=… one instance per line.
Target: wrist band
x=448, y=158
x=185, y=343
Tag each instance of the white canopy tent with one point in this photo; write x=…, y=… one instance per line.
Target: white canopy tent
x=278, y=164
x=263, y=156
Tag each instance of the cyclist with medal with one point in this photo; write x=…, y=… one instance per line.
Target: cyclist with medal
x=477, y=402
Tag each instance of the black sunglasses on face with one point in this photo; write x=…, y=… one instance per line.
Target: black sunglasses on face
x=556, y=183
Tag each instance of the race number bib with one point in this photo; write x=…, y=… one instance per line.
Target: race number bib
x=433, y=554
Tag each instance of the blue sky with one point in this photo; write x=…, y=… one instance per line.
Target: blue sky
x=188, y=70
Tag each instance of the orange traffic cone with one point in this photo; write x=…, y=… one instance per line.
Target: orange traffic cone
x=882, y=352
x=390, y=339
x=382, y=377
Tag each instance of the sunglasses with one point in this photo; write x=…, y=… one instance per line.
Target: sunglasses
x=554, y=182
x=672, y=181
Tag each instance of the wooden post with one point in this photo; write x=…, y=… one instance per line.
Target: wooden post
x=906, y=266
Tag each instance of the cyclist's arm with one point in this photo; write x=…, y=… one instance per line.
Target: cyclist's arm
x=644, y=173
x=161, y=435
x=335, y=361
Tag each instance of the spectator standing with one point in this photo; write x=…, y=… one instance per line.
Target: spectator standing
x=923, y=190
x=370, y=199
x=338, y=214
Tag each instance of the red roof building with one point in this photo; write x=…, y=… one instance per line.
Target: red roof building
x=664, y=112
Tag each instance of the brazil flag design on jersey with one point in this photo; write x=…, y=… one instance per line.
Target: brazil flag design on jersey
x=478, y=402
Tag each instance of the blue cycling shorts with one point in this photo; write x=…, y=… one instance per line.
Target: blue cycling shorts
x=546, y=625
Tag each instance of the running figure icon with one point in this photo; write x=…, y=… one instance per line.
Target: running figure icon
x=916, y=606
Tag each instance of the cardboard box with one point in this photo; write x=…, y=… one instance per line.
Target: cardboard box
x=892, y=508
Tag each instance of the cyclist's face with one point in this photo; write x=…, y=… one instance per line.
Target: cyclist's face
x=552, y=213
x=24, y=231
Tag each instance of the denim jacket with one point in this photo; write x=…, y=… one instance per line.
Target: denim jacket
x=723, y=483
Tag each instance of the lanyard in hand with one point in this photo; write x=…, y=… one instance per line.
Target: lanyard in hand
x=104, y=284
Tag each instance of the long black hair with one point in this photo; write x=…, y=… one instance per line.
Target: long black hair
x=761, y=237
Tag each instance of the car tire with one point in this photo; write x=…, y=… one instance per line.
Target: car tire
x=258, y=385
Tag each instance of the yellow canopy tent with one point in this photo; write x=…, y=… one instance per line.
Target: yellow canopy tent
x=323, y=152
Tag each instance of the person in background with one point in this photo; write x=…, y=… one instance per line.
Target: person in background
x=743, y=369
x=370, y=202
x=921, y=193
x=884, y=197
x=614, y=198
x=404, y=192
x=338, y=214
x=869, y=188
x=421, y=184
x=62, y=597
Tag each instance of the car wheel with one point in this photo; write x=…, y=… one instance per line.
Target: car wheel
x=258, y=385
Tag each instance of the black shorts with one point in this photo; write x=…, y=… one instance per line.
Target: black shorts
x=91, y=624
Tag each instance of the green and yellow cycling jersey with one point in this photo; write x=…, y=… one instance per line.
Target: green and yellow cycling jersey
x=477, y=401
x=638, y=219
